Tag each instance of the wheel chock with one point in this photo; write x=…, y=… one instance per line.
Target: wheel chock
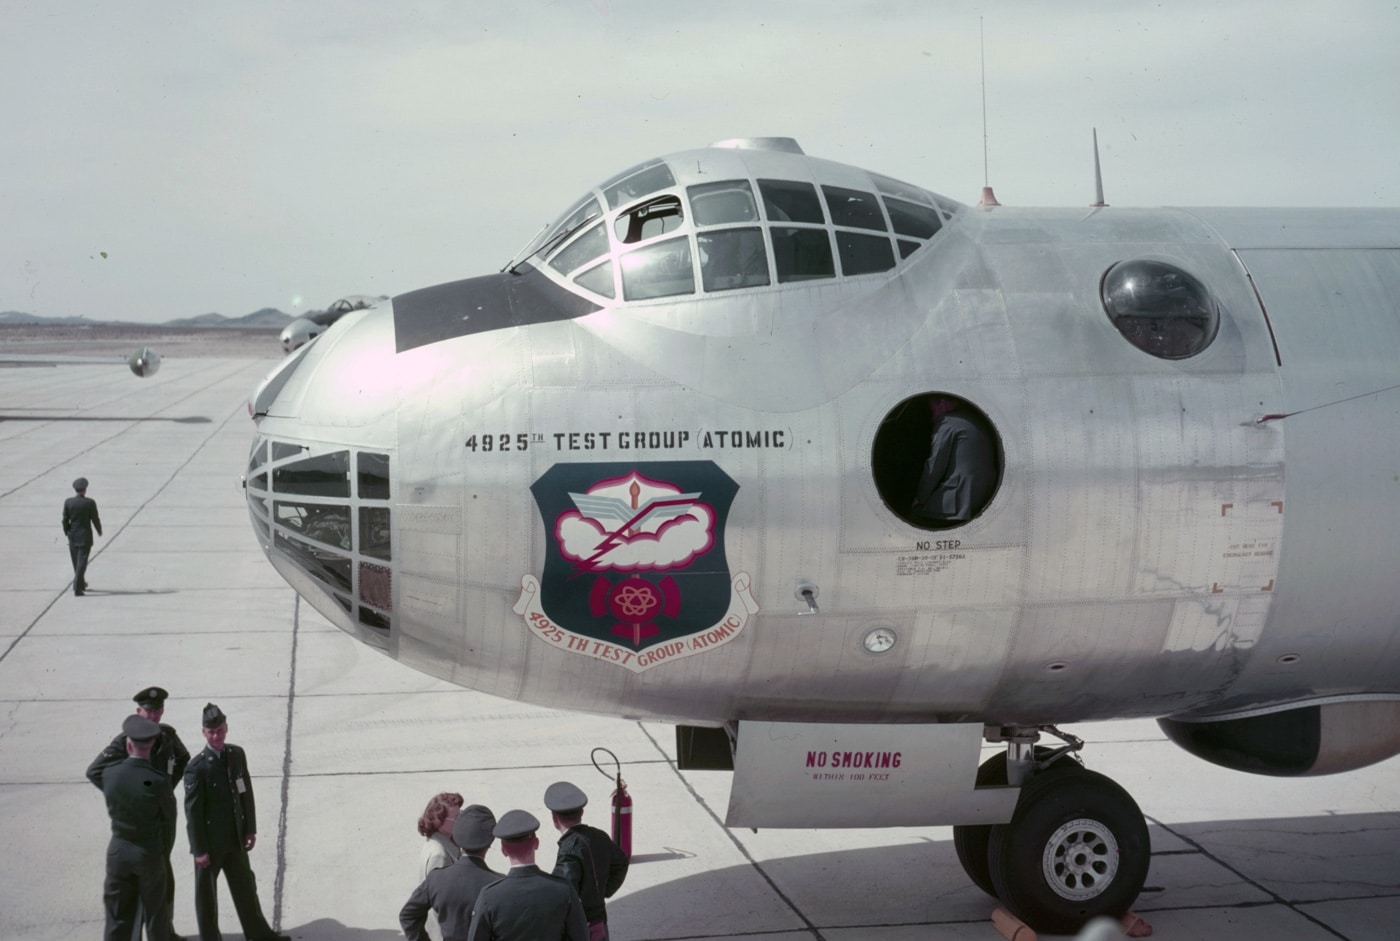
x=1010, y=927
x=1135, y=926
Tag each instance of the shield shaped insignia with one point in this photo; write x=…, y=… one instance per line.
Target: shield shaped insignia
x=635, y=569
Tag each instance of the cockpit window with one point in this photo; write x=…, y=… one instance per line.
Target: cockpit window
x=802, y=254
x=598, y=279
x=652, y=218
x=791, y=201
x=732, y=258
x=913, y=219
x=579, y=213
x=854, y=208
x=733, y=234
x=864, y=254
x=1159, y=308
x=637, y=182
x=721, y=203
x=659, y=270
x=588, y=246
x=889, y=186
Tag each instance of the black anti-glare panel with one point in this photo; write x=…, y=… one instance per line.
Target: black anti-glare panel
x=476, y=305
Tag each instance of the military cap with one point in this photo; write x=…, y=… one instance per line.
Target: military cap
x=474, y=826
x=516, y=825
x=213, y=716
x=562, y=797
x=152, y=697
x=80, y=483
x=140, y=729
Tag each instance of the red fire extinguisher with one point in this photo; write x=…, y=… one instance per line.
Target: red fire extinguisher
x=621, y=805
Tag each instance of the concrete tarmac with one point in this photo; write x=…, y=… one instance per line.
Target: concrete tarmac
x=346, y=746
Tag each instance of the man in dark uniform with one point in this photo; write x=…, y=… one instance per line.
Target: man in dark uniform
x=587, y=858
x=79, y=520
x=452, y=890
x=168, y=755
x=141, y=806
x=961, y=471
x=223, y=827
x=528, y=904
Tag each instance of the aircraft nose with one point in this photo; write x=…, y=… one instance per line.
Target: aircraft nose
x=321, y=472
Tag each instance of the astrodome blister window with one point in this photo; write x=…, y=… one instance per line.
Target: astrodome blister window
x=1159, y=308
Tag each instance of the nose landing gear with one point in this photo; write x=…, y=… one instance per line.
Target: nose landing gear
x=1077, y=845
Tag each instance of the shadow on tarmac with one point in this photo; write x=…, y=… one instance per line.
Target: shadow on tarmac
x=328, y=929
x=1318, y=866
x=186, y=420
x=145, y=591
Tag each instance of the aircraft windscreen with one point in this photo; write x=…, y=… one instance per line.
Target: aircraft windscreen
x=575, y=216
x=637, y=182
x=655, y=230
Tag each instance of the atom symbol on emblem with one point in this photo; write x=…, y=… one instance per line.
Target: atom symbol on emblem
x=635, y=602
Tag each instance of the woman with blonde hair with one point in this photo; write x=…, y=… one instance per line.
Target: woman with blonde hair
x=436, y=825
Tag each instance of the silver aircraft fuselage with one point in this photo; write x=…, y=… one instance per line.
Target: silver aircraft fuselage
x=1187, y=535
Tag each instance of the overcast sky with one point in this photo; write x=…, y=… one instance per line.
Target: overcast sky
x=164, y=160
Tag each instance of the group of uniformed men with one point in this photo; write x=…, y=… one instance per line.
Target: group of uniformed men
x=473, y=903
x=136, y=774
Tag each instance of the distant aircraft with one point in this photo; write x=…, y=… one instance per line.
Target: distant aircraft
x=144, y=362
x=676, y=462
x=305, y=329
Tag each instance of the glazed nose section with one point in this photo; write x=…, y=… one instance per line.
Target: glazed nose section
x=321, y=475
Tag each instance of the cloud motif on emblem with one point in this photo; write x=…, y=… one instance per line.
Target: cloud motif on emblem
x=634, y=523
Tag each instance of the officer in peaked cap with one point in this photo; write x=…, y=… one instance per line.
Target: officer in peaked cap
x=168, y=755
x=475, y=829
x=561, y=797
x=515, y=825
x=141, y=807
x=451, y=891
x=528, y=904
x=221, y=818
x=152, y=697
x=587, y=857
x=140, y=729
x=80, y=519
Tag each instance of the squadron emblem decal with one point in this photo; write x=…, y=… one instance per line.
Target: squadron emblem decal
x=635, y=570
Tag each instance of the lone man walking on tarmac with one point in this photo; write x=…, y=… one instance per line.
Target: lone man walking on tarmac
x=79, y=520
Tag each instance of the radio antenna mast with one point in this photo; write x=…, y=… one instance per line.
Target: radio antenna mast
x=1098, y=202
x=989, y=198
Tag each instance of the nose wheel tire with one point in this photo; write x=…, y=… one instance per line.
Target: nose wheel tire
x=1076, y=848
x=971, y=841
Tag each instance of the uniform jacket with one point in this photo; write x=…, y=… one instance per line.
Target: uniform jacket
x=80, y=519
x=528, y=905
x=219, y=811
x=961, y=470
x=140, y=804
x=168, y=754
x=590, y=862
x=451, y=893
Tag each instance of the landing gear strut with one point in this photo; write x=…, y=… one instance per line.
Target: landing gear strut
x=1076, y=847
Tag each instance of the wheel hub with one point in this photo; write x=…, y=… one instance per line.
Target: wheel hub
x=1080, y=859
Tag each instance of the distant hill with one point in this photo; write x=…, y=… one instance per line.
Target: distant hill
x=19, y=317
x=267, y=317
